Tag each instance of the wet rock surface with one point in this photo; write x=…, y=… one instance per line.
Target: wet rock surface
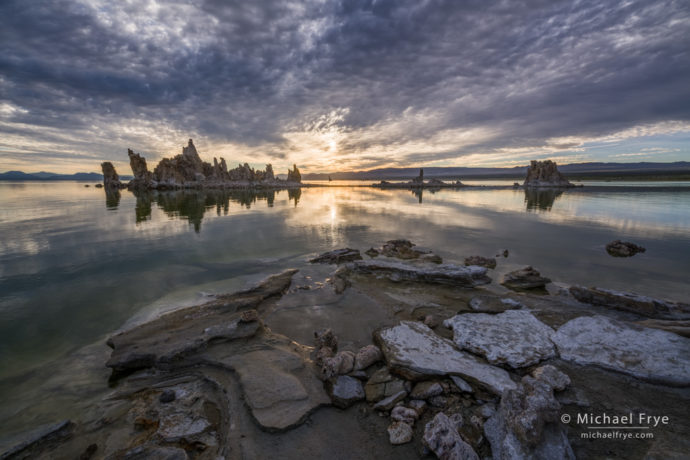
x=634, y=303
x=524, y=279
x=456, y=275
x=337, y=256
x=620, y=248
x=515, y=338
x=487, y=262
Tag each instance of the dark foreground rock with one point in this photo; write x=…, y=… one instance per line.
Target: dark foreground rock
x=450, y=274
x=620, y=248
x=111, y=180
x=524, y=279
x=634, y=303
x=487, y=262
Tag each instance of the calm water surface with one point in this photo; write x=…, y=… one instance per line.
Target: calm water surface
x=76, y=265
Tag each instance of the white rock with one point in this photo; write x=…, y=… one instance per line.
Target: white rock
x=514, y=337
x=648, y=354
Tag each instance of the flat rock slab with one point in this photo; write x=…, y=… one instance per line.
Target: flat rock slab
x=514, y=337
x=648, y=354
x=627, y=301
x=337, y=256
x=416, y=352
x=524, y=279
x=455, y=275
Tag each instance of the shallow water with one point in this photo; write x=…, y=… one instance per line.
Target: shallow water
x=76, y=264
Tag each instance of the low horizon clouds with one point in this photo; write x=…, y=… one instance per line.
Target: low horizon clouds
x=343, y=85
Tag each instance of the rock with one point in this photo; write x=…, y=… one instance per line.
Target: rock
x=680, y=327
x=38, y=438
x=461, y=384
x=402, y=249
x=491, y=304
x=371, y=252
x=514, y=337
x=152, y=452
x=167, y=396
x=620, y=248
x=367, y=356
x=337, y=256
x=340, y=364
x=344, y=391
x=413, y=350
x=454, y=275
x=294, y=175
x=404, y=414
x=431, y=258
x=325, y=342
x=527, y=424
x=442, y=438
x=481, y=261
x=249, y=316
x=439, y=401
x=426, y=389
x=111, y=180
x=524, y=279
x=382, y=385
x=432, y=321
x=642, y=305
x=388, y=402
x=142, y=176
x=340, y=279
x=545, y=174
x=417, y=405
x=399, y=433
x=648, y=354
x=554, y=378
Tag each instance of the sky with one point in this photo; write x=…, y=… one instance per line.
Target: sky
x=343, y=85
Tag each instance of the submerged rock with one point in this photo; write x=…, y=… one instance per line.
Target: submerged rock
x=481, y=261
x=515, y=337
x=416, y=352
x=337, y=256
x=524, y=279
x=455, y=275
x=527, y=424
x=648, y=354
x=620, y=248
x=642, y=305
x=545, y=174
x=442, y=438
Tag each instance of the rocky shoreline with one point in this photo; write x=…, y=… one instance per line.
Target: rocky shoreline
x=417, y=358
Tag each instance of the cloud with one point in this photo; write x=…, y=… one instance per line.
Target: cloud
x=338, y=85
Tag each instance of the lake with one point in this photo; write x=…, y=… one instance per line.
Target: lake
x=76, y=265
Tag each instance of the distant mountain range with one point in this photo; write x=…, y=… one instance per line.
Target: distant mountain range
x=48, y=176
x=594, y=169
x=575, y=169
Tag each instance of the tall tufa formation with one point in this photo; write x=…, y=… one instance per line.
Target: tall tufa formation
x=111, y=180
x=294, y=175
x=142, y=176
x=545, y=174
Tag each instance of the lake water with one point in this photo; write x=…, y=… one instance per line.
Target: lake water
x=76, y=265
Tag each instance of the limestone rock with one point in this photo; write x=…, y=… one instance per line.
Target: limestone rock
x=404, y=414
x=294, y=175
x=461, y=384
x=481, y=261
x=524, y=279
x=442, y=438
x=345, y=391
x=680, y=327
x=455, y=275
x=388, y=402
x=142, y=176
x=642, y=305
x=341, y=363
x=399, y=433
x=416, y=352
x=337, y=256
x=111, y=180
x=648, y=354
x=545, y=174
x=548, y=374
x=620, y=248
x=367, y=356
x=382, y=385
x=527, y=425
x=426, y=390
x=492, y=304
x=514, y=337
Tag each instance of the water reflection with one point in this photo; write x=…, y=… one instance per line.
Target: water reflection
x=541, y=199
x=193, y=204
x=112, y=199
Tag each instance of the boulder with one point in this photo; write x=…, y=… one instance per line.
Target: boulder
x=442, y=438
x=634, y=303
x=648, y=354
x=620, y=248
x=344, y=391
x=337, y=256
x=481, y=261
x=526, y=424
x=492, y=304
x=414, y=351
x=450, y=274
x=399, y=433
x=545, y=174
x=515, y=337
x=524, y=279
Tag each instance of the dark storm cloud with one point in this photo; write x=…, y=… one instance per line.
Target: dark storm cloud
x=247, y=72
